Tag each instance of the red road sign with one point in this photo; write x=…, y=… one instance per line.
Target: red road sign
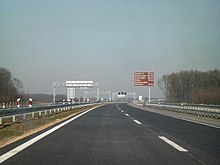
x=143, y=78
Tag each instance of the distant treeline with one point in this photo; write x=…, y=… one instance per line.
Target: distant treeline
x=11, y=89
x=192, y=87
x=9, y=86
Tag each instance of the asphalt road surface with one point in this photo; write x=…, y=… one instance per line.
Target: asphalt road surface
x=118, y=134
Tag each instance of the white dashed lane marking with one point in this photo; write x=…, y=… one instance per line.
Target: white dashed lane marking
x=136, y=121
x=176, y=146
x=171, y=143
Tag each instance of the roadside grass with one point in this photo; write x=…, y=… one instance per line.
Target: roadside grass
x=12, y=132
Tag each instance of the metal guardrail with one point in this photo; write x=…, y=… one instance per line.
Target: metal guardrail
x=38, y=112
x=12, y=111
x=212, y=111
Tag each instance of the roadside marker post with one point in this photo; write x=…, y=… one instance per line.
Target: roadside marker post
x=18, y=102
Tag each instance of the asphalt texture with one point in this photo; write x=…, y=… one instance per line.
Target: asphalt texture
x=120, y=134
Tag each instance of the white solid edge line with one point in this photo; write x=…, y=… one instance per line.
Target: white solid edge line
x=197, y=122
x=127, y=114
x=136, y=121
x=18, y=149
x=176, y=146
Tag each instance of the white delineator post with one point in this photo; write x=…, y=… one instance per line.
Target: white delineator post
x=18, y=102
x=30, y=102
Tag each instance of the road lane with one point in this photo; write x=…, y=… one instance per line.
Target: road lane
x=203, y=140
x=103, y=136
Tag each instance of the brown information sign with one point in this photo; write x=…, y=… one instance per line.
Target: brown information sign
x=143, y=78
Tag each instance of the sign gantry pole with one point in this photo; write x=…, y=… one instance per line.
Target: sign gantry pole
x=54, y=94
x=97, y=93
x=55, y=84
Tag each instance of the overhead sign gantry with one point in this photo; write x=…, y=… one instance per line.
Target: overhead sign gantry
x=72, y=85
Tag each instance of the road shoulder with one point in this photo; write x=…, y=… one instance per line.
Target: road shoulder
x=191, y=118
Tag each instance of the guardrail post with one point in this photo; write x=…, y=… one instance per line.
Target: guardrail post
x=39, y=113
x=32, y=114
x=13, y=118
x=0, y=120
x=24, y=116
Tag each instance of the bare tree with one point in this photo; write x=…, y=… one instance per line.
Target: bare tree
x=192, y=86
x=9, y=86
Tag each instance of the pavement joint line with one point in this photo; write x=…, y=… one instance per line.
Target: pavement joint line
x=21, y=147
x=136, y=121
x=174, y=145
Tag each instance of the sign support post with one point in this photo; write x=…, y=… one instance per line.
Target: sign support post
x=144, y=79
x=97, y=94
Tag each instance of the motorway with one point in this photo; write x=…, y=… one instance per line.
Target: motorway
x=118, y=134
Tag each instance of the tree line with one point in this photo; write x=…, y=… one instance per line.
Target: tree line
x=192, y=87
x=179, y=87
x=9, y=86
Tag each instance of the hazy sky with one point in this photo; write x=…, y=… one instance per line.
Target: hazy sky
x=106, y=40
